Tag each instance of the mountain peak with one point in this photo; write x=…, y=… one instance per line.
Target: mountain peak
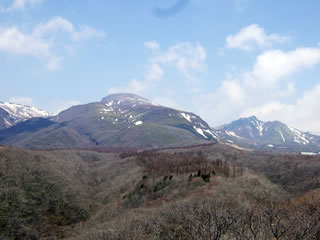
x=126, y=98
x=123, y=97
x=249, y=119
x=253, y=118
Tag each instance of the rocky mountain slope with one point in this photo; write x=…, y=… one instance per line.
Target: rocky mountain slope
x=118, y=120
x=253, y=133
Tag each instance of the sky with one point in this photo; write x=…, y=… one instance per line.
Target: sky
x=221, y=59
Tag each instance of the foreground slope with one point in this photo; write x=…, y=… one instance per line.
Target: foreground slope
x=199, y=193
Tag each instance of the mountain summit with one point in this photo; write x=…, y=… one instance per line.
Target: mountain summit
x=128, y=98
x=126, y=101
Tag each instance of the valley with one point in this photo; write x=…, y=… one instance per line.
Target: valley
x=194, y=192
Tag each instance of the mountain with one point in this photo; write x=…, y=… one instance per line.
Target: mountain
x=274, y=135
x=12, y=113
x=129, y=121
x=118, y=120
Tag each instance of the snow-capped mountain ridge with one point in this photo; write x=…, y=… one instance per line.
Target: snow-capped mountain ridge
x=13, y=113
x=20, y=111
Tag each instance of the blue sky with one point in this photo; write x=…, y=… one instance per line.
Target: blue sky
x=221, y=59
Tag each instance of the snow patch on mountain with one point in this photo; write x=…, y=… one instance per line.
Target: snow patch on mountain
x=106, y=110
x=260, y=127
x=283, y=139
x=8, y=124
x=186, y=116
x=211, y=133
x=230, y=133
x=138, y=123
x=109, y=104
x=200, y=131
x=299, y=137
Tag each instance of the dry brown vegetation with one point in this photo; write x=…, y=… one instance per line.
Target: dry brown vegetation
x=205, y=192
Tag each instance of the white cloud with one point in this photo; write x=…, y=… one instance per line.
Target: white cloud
x=275, y=65
x=250, y=36
x=21, y=100
x=186, y=57
x=59, y=24
x=41, y=41
x=14, y=41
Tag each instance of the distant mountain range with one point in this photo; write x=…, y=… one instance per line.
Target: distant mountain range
x=118, y=120
x=272, y=136
x=128, y=120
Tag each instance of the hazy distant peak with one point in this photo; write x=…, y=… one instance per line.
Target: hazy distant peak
x=253, y=118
